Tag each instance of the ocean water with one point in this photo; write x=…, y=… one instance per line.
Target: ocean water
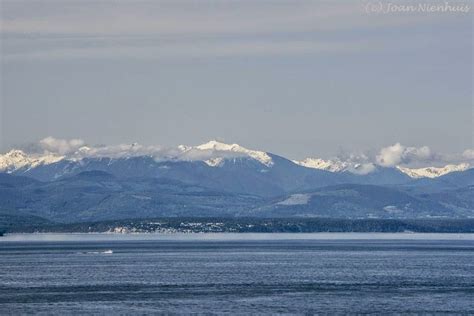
x=235, y=274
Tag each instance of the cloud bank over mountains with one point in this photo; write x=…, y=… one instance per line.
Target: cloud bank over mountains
x=214, y=152
x=398, y=154
x=60, y=146
x=75, y=149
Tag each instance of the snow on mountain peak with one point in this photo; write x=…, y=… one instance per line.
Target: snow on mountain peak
x=217, y=147
x=213, y=153
x=337, y=165
x=18, y=159
x=322, y=164
x=13, y=159
x=433, y=172
x=15, y=154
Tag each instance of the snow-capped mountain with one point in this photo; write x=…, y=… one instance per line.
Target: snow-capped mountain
x=220, y=151
x=214, y=165
x=433, y=172
x=109, y=182
x=213, y=153
x=322, y=164
x=19, y=160
x=186, y=162
x=337, y=165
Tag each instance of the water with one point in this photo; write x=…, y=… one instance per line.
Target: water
x=266, y=274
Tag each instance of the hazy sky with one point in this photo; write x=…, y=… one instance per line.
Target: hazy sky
x=298, y=78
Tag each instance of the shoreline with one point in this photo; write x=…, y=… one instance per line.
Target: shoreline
x=106, y=236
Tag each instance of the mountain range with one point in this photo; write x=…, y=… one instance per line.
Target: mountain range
x=217, y=179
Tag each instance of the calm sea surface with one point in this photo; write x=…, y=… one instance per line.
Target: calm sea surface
x=224, y=273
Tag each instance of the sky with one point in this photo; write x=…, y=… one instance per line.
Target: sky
x=297, y=78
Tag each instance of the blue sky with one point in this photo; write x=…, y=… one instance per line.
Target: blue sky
x=299, y=78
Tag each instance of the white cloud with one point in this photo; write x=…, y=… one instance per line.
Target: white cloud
x=77, y=149
x=391, y=156
x=360, y=163
x=60, y=146
x=468, y=154
x=398, y=154
x=362, y=169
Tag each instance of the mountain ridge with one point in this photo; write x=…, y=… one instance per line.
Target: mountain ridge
x=213, y=153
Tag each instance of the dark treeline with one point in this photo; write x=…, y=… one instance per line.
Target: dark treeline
x=258, y=225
